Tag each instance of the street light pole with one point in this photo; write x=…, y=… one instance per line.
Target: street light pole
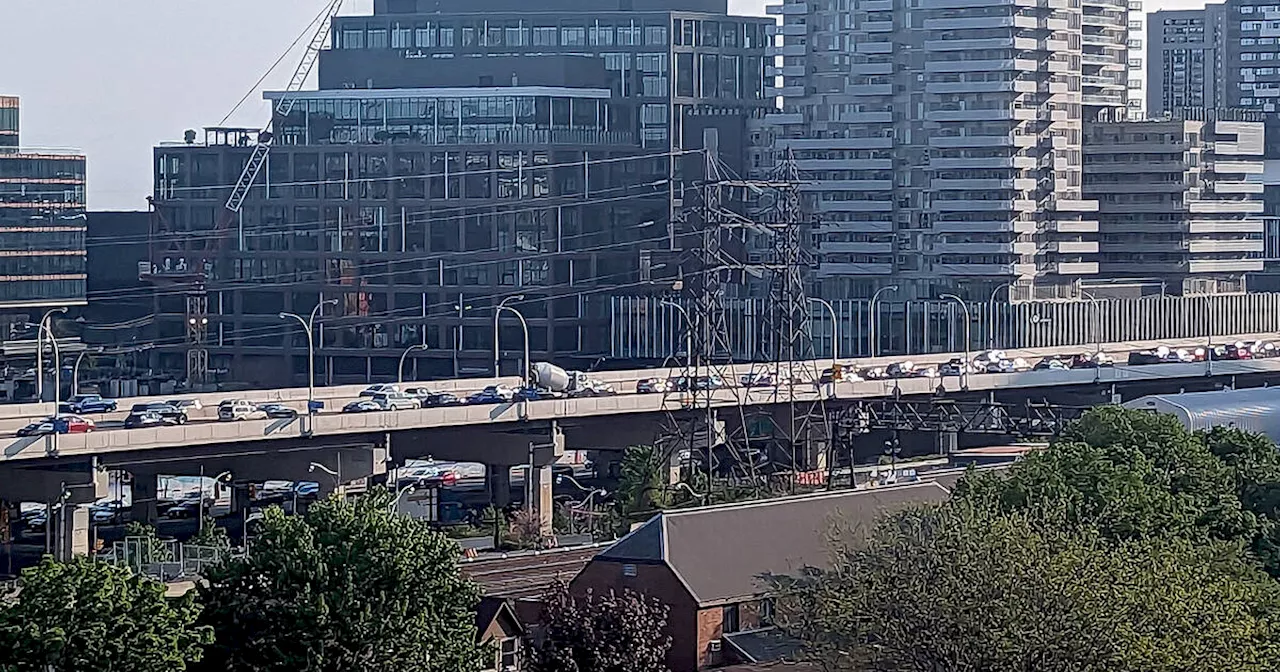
x=688, y=330
x=400, y=369
x=835, y=330
x=40, y=329
x=75, y=371
x=1096, y=327
x=871, y=333
x=497, y=313
x=964, y=380
x=525, y=327
x=309, y=325
x=991, y=317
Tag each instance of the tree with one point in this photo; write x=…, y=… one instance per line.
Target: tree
x=956, y=587
x=1135, y=475
x=352, y=586
x=599, y=633
x=87, y=616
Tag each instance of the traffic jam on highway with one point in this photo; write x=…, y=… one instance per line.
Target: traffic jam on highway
x=548, y=381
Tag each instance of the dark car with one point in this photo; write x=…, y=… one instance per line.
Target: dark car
x=365, y=405
x=148, y=419
x=532, y=394
x=436, y=399
x=163, y=408
x=37, y=428
x=278, y=411
x=90, y=403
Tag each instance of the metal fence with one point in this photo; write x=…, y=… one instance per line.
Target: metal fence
x=164, y=559
x=644, y=328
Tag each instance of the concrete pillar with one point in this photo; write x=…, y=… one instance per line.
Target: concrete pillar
x=946, y=442
x=541, y=498
x=73, y=532
x=498, y=480
x=240, y=501
x=145, y=507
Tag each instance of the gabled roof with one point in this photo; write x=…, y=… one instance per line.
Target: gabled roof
x=492, y=609
x=721, y=552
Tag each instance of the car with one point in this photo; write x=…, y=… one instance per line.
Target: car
x=757, y=379
x=91, y=403
x=1144, y=357
x=1052, y=364
x=954, y=367
x=378, y=388
x=1263, y=349
x=493, y=394
x=37, y=428
x=1239, y=350
x=588, y=387
x=186, y=405
x=1015, y=365
x=106, y=513
x=362, y=406
x=712, y=382
x=187, y=508
x=437, y=399
x=533, y=394
x=275, y=410
x=651, y=386
x=396, y=401
x=147, y=419
x=1091, y=360
x=239, y=409
x=73, y=424
x=164, y=408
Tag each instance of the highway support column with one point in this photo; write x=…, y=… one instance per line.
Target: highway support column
x=145, y=489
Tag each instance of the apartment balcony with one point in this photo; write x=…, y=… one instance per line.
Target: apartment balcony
x=994, y=225
x=1072, y=247
x=1072, y=204
x=787, y=8
x=938, y=248
x=784, y=119
x=876, y=5
x=1221, y=226
x=866, y=118
x=975, y=44
x=1055, y=45
x=1137, y=185
x=1153, y=167
x=1020, y=162
x=984, y=205
x=877, y=26
x=997, y=270
x=784, y=91
x=983, y=65
x=972, y=115
x=828, y=269
x=1237, y=167
x=1173, y=151
x=784, y=71
x=786, y=50
x=871, y=69
x=882, y=226
x=834, y=143
x=793, y=29
x=1224, y=265
x=1054, y=24
x=855, y=206
x=1223, y=207
x=1237, y=246
x=855, y=248
x=968, y=183
x=844, y=164
x=1238, y=187
x=1074, y=268
x=962, y=141
x=846, y=185
x=1019, y=86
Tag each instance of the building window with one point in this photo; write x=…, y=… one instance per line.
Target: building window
x=401, y=37
x=378, y=38
x=544, y=36
x=573, y=36
x=353, y=39
x=628, y=570
x=767, y=611
x=729, y=619
x=509, y=654
x=655, y=35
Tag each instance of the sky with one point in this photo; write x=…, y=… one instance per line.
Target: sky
x=114, y=78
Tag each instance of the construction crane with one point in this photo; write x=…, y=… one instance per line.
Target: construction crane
x=197, y=322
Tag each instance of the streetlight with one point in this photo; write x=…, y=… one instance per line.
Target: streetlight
x=400, y=369
x=964, y=370
x=688, y=488
x=336, y=474
x=991, y=316
x=688, y=326
x=523, y=325
x=872, y=309
x=457, y=334
x=45, y=324
x=835, y=330
x=75, y=370
x=497, y=312
x=406, y=490
x=1096, y=328
x=216, y=480
x=309, y=325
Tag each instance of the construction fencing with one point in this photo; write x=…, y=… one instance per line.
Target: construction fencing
x=644, y=328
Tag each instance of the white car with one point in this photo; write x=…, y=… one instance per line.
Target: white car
x=240, y=409
x=379, y=388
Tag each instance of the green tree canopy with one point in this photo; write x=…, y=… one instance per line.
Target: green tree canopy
x=352, y=586
x=600, y=633
x=1134, y=475
x=87, y=616
x=960, y=588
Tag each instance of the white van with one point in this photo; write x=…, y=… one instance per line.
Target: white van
x=239, y=409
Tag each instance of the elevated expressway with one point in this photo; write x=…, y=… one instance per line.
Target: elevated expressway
x=356, y=446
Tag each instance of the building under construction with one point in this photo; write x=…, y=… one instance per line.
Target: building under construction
x=452, y=160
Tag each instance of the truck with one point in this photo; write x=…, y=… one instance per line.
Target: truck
x=559, y=382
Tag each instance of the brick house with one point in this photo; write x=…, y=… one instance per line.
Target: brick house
x=706, y=565
x=498, y=625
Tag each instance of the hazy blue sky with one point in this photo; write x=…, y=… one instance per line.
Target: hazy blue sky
x=114, y=77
